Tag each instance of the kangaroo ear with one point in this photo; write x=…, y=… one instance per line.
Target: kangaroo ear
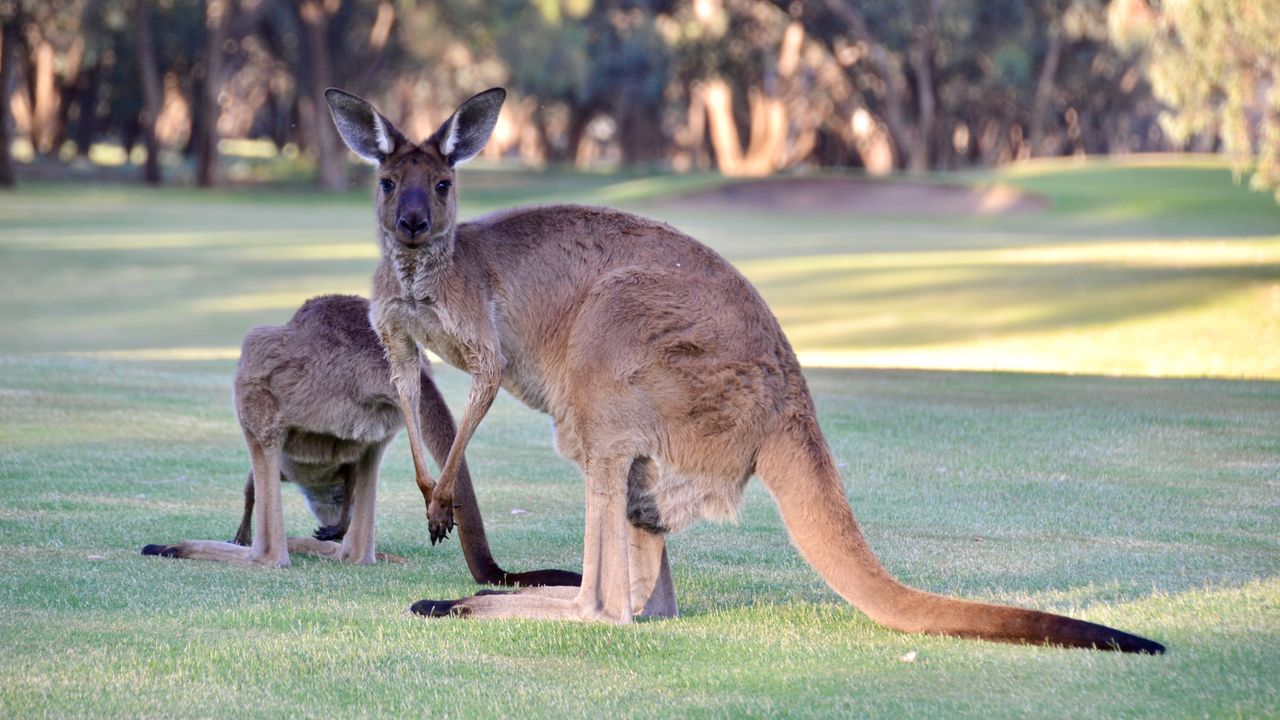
x=367, y=133
x=465, y=132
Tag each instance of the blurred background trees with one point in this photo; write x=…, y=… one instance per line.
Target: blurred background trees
x=175, y=88
x=1215, y=64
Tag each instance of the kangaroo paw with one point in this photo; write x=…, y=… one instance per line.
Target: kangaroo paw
x=439, y=520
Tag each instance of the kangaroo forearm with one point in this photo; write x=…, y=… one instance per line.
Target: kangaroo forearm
x=421, y=472
x=409, y=388
x=438, y=429
x=439, y=432
x=483, y=391
x=406, y=376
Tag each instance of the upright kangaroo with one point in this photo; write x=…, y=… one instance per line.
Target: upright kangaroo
x=316, y=405
x=669, y=381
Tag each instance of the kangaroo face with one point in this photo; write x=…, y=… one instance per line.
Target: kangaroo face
x=416, y=203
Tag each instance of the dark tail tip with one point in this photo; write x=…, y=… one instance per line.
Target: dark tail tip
x=160, y=550
x=438, y=608
x=1080, y=633
x=1124, y=642
x=535, y=578
x=1002, y=623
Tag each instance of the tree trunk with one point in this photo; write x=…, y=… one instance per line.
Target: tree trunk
x=145, y=54
x=44, y=99
x=1044, y=88
x=575, y=134
x=8, y=57
x=538, y=119
x=217, y=20
x=901, y=134
x=895, y=115
x=717, y=98
x=86, y=98
x=767, y=143
x=922, y=58
x=768, y=133
x=640, y=136
x=331, y=157
x=691, y=138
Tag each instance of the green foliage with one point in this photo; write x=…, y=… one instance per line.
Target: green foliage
x=957, y=83
x=1216, y=64
x=546, y=55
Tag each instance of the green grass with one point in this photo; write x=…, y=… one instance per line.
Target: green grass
x=1136, y=499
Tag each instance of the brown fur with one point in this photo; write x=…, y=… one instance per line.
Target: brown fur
x=315, y=402
x=669, y=381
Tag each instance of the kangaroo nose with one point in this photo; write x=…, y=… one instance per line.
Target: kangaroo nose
x=413, y=224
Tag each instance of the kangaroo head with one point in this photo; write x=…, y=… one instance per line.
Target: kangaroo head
x=416, y=202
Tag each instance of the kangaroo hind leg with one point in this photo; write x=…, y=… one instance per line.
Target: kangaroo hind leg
x=268, y=545
x=606, y=591
x=358, y=542
x=652, y=592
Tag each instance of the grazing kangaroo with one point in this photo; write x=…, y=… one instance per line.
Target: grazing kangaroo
x=668, y=379
x=317, y=408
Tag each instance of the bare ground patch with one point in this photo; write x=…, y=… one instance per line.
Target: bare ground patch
x=864, y=197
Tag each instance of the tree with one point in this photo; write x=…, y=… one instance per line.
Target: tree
x=218, y=18
x=897, y=43
x=745, y=86
x=1216, y=64
x=149, y=75
x=316, y=18
x=10, y=24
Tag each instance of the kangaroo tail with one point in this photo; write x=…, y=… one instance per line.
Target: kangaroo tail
x=244, y=534
x=799, y=472
x=475, y=544
x=438, y=430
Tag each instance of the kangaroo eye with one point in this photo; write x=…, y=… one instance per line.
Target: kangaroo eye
x=443, y=186
x=387, y=184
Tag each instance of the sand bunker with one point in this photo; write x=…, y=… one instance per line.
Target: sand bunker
x=864, y=197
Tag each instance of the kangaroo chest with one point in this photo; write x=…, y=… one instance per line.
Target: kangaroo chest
x=431, y=332
x=447, y=339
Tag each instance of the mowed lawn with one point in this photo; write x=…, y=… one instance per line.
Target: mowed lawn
x=1131, y=478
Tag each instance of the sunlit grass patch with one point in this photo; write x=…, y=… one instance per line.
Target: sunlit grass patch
x=260, y=301
x=163, y=354
x=1185, y=283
